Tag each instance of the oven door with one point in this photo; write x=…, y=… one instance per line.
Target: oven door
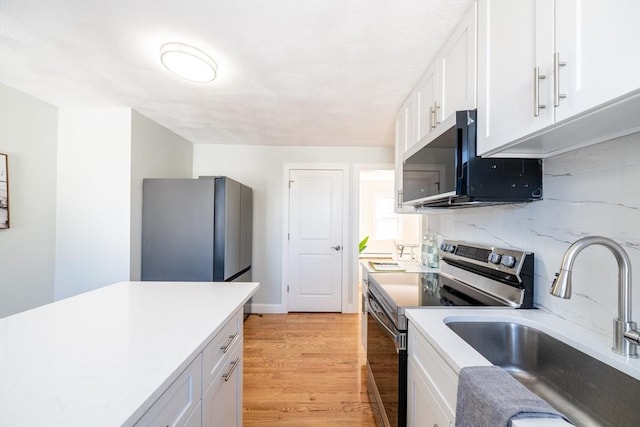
x=387, y=366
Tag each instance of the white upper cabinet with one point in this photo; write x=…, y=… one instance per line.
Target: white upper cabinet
x=449, y=83
x=410, y=122
x=599, y=41
x=556, y=75
x=457, y=64
x=425, y=102
x=404, y=128
x=511, y=49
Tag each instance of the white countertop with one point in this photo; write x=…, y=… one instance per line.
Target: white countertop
x=403, y=266
x=102, y=358
x=431, y=322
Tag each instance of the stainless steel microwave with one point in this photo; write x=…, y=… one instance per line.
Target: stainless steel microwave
x=447, y=172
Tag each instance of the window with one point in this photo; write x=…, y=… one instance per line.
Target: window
x=386, y=221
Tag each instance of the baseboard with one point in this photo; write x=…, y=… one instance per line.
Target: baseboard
x=267, y=308
x=280, y=309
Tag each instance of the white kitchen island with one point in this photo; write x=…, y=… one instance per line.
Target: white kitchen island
x=105, y=357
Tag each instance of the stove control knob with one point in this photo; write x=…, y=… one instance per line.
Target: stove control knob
x=451, y=249
x=508, y=261
x=494, y=258
x=443, y=247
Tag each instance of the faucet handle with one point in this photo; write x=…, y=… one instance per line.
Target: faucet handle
x=626, y=338
x=633, y=335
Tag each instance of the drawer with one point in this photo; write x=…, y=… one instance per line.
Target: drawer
x=222, y=401
x=435, y=369
x=178, y=402
x=218, y=348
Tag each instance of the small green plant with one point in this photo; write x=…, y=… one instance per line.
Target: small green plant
x=363, y=244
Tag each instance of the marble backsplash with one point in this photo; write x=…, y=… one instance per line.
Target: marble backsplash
x=591, y=191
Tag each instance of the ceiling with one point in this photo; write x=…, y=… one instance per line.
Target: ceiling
x=290, y=72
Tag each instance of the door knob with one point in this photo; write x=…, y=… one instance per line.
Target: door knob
x=337, y=248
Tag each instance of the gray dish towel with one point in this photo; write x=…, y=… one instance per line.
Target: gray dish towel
x=489, y=397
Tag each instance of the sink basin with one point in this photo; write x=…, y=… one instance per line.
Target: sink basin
x=587, y=391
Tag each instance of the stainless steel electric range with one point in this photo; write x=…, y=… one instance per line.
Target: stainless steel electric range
x=471, y=275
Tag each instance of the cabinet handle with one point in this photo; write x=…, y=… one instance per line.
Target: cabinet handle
x=436, y=107
x=536, y=91
x=556, y=80
x=232, y=339
x=234, y=365
x=431, y=120
x=399, y=198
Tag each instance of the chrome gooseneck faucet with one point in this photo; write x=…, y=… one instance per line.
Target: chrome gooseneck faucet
x=626, y=336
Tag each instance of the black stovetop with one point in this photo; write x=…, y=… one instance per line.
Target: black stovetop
x=421, y=290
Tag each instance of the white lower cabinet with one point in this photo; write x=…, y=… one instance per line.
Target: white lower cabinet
x=208, y=393
x=422, y=407
x=179, y=402
x=431, y=385
x=195, y=420
x=363, y=309
x=222, y=401
x=216, y=353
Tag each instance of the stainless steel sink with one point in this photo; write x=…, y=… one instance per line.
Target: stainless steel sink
x=587, y=391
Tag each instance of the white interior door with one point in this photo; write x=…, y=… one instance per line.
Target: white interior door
x=315, y=240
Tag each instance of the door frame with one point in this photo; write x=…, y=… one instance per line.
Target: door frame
x=347, y=247
x=355, y=220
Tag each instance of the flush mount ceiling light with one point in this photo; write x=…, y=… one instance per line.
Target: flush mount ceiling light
x=188, y=62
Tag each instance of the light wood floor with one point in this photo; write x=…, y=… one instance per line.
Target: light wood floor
x=305, y=369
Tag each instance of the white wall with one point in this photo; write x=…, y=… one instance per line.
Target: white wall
x=260, y=167
x=93, y=200
x=592, y=191
x=103, y=155
x=156, y=152
x=28, y=128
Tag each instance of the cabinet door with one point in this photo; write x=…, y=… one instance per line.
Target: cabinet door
x=195, y=420
x=422, y=406
x=400, y=147
x=425, y=99
x=222, y=402
x=177, y=404
x=363, y=309
x=410, y=117
x=458, y=70
x=513, y=38
x=598, y=41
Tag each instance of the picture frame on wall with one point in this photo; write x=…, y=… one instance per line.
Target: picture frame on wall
x=4, y=192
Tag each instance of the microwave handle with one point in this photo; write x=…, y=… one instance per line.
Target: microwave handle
x=459, y=137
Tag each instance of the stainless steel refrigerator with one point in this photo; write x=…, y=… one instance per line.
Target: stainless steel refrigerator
x=196, y=230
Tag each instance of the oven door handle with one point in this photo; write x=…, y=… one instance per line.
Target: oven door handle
x=398, y=339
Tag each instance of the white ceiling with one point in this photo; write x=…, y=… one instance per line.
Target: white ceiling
x=296, y=72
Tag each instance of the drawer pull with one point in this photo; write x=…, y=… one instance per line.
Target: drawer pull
x=232, y=340
x=234, y=365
